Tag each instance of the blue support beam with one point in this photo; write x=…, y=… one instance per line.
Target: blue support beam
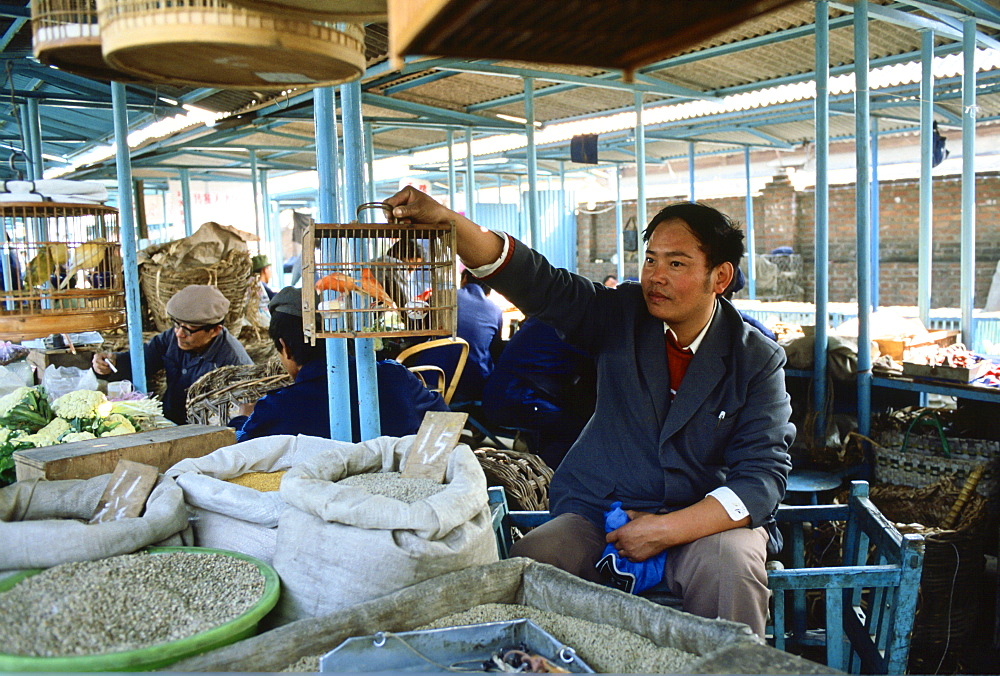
x=338, y=382
x=967, y=249
x=862, y=133
x=640, y=178
x=470, y=178
x=822, y=216
x=126, y=225
x=751, y=244
x=925, y=236
x=534, y=227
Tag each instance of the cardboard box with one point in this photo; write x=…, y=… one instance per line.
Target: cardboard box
x=897, y=346
x=946, y=373
x=161, y=448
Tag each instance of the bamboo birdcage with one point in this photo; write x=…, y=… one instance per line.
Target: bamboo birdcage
x=65, y=34
x=379, y=280
x=210, y=43
x=60, y=269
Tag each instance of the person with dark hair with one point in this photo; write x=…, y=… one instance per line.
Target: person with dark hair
x=611, y=281
x=301, y=408
x=197, y=344
x=691, y=428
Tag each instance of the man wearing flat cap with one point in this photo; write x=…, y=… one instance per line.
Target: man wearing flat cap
x=197, y=343
x=302, y=408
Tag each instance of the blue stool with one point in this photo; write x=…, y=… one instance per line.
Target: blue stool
x=812, y=483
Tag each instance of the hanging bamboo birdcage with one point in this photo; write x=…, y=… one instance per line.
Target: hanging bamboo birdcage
x=379, y=280
x=210, y=43
x=60, y=269
x=65, y=34
x=348, y=11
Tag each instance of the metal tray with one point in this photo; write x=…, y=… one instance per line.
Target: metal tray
x=470, y=645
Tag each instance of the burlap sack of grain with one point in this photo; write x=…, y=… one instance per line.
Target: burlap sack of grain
x=39, y=524
x=238, y=518
x=340, y=545
x=715, y=646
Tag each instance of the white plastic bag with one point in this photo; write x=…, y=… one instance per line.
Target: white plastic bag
x=60, y=380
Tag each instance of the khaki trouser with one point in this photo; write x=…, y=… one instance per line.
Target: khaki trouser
x=720, y=575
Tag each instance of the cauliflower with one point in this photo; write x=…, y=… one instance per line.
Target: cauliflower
x=116, y=425
x=48, y=435
x=25, y=408
x=82, y=404
x=77, y=436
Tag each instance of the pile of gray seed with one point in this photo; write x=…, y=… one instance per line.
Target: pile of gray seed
x=125, y=603
x=392, y=485
x=604, y=648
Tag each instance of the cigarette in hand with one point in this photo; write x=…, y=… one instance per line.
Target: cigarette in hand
x=110, y=364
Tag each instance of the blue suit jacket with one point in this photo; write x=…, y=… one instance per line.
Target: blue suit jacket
x=728, y=425
x=301, y=408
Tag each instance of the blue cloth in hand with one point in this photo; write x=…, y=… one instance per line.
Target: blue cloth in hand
x=616, y=571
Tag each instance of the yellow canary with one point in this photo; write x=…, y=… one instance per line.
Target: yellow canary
x=86, y=256
x=39, y=268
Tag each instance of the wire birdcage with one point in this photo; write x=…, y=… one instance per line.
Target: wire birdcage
x=60, y=269
x=379, y=280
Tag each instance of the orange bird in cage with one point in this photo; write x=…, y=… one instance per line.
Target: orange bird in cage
x=337, y=281
x=371, y=286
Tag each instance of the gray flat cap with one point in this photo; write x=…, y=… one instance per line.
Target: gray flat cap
x=198, y=304
x=287, y=301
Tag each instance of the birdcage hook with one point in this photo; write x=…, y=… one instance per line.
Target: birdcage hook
x=382, y=206
x=14, y=152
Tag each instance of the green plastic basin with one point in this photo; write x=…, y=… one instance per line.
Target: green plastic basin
x=161, y=654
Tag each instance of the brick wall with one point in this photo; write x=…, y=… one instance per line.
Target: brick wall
x=785, y=217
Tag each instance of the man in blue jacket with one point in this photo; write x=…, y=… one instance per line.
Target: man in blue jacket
x=691, y=427
x=301, y=408
x=197, y=344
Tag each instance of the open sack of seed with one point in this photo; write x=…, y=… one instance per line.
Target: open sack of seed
x=44, y=523
x=233, y=491
x=355, y=530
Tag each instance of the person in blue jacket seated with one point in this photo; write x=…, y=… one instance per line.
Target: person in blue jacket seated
x=542, y=383
x=740, y=281
x=480, y=322
x=302, y=407
x=691, y=428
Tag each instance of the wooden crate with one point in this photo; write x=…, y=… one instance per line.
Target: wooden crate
x=896, y=346
x=161, y=448
x=964, y=375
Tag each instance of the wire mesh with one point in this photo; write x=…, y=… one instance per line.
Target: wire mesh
x=60, y=269
x=379, y=280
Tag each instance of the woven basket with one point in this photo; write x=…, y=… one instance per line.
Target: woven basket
x=524, y=476
x=232, y=276
x=919, y=459
x=214, y=399
x=952, y=580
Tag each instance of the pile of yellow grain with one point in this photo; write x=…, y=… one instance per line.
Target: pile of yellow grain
x=264, y=482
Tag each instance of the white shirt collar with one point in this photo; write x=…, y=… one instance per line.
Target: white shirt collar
x=696, y=343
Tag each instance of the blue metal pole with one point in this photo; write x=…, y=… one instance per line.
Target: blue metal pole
x=640, y=179
x=273, y=230
x=126, y=222
x=338, y=378
x=876, y=221
x=186, y=200
x=967, y=256
x=254, y=178
x=691, y=170
x=370, y=162
x=534, y=227
x=619, y=236
x=354, y=190
x=862, y=137
x=451, y=170
x=751, y=246
x=35, y=122
x=822, y=244
x=26, y=142
x=924, y=272
x=470, y=177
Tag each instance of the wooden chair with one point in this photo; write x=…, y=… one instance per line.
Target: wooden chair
x=454, y=346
